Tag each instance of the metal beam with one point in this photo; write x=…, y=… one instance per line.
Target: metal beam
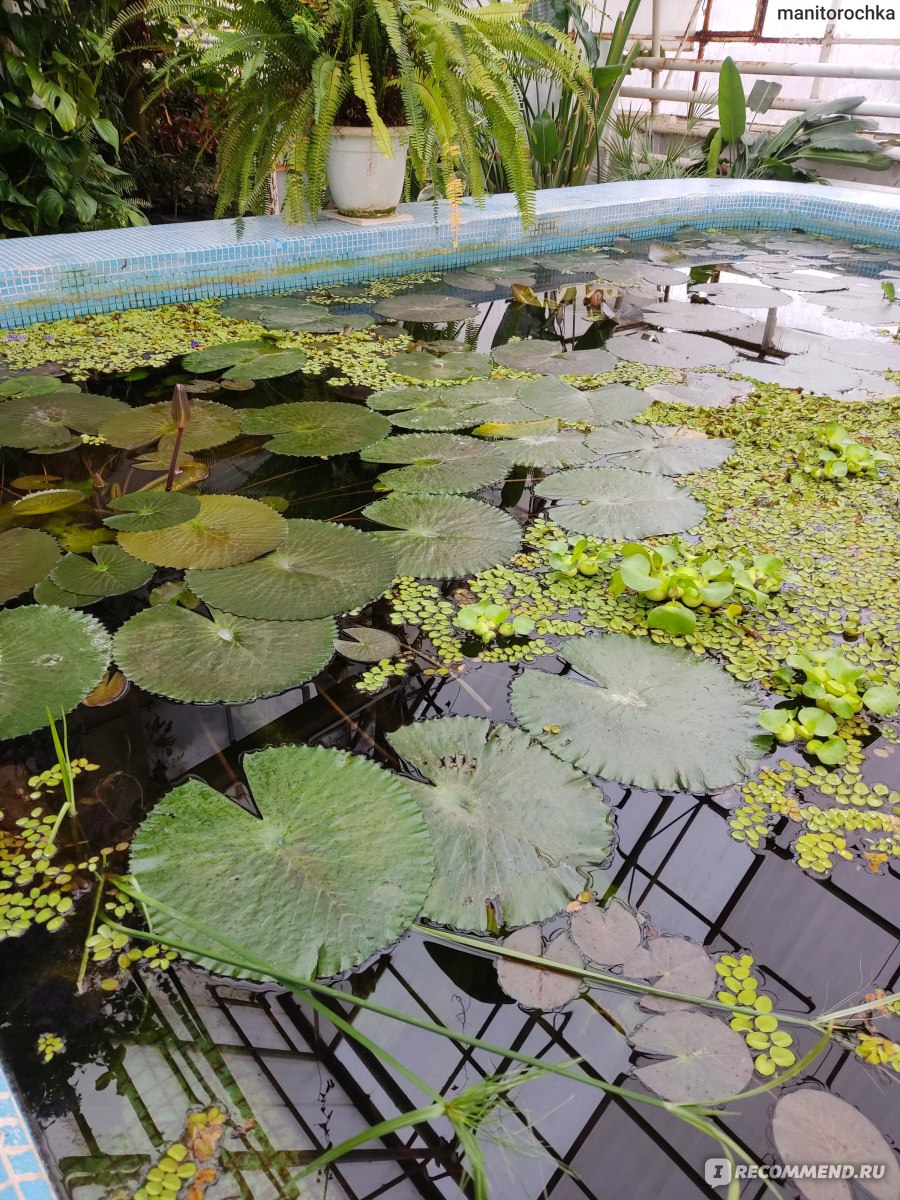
x=683, y=96
x=803, y=70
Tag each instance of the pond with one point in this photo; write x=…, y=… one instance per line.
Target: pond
x=590, y=563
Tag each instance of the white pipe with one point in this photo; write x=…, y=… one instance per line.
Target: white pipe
x=806, y=71
x=683, y=96
x=655, y=47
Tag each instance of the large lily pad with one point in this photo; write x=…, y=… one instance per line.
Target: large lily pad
x=227, y=530
x=223, y=355
x=549, y=358
x=744, y=295
x=531, y=986
x=319, y=569
x=697, y=318
x=26, y=556
x=511, y=825
x=440, y=463
x=675, y=965
x=336, y=869
x=507, y=270
x=615, y=402
x=810, y=1126
x=245, y=360
x=179, y=653
x=540, y=444
x=658, y=717
x=610, y=502
x=660, y=449
x=290, y=312
x=429, y=409
x=50, y=500
x=805, y=372
x=29, y=384
x=425, y=306
x=702, y=1059
x=29, y=421
x=316, y=428
x=211, y=424
x=671, y=350
x=49, y=658
x=606, y=935
x=550, y=397
x=47, y=592
x=109, y=573
x=444, y=537
x=435, y=368
x=366, y=644
x=139, y=512
x=701, y=390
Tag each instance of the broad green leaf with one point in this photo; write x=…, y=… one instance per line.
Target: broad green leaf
x=316, y=428
x=318, y=569
x=440, y=463
x=110, y=573
x=540, y=444
x=35, y=385
x=732, y=105
x=529, y=985
x=363, y=643
x=46, y=592
x=549, y=358
x=615, y=402
x=26, y=556
x=291, y=312
x=882, y=700
x=268, y=366
x=511, y=825
x=444, y=537
x=226, y=531
x=223, y=355
x=211, y=424
x=606, y=935
x=744, y=295
x=144, y=511
x=29, y=421
x=610, y=502
x=433, y=368
x=179, y=653
x=336, y=869
x=425, y=306
x=697, y=318
x=49, y=658
x=702, y=1060
x=660, y=449
x=673, y=618
x=49, y=501
x=550, y=397
x=700, y=391
x=658, y=717
x=544, y=140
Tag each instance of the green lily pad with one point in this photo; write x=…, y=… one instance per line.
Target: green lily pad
x=111, y=573
x=362, y=643
x=227, y=530
x=540, y=444
x=440, y=463
x=489, y=787
x=245, y=360
x=610, y=502
x=434, y=368
x=530, y=986
x=671, y=350
x=616, y=402
x=49, y=658
x=660, y=449
x=35, y=385
x=316, y=428
x=435, y=409
x=549, y=358
x=506, y=270
x=48, y=501
x=702, y=1060
x=552, y=398
x=177, y=652
x=144, y=511
x=26, y=556
x=290, y=312
x=444, y=537
x=223, y=355
x=425, y=306
x=28, y=422
x=211, y=424
x=46, y=592
x=336, y=869
x=318, y=569
x=268, y=366
x=658, y=717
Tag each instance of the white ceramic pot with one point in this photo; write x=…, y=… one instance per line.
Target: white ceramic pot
x=362, y=181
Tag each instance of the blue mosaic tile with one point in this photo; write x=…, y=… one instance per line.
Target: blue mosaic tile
x=45, y=278
x=22, y=1174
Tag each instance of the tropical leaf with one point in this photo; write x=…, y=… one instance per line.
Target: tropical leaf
x=610, y=502
x=608, y=935
x=434, y=368
x=110, y=573
x=659, y=449
x=30, y=421
x=615, y=402
x=489, y=787
x=50, y=658
x=26, y=556
x=529, y=985
x=672, y=350
x=548, y=358
x=444, y=537
x=363, y=643
x=732, y=105
x=316, y=428
x=143, y=511
x=227, y=530
x=211, y=424
x=425, y=306
x=176, y=652
x=702, y=1059
x=318, y=569
x=658, y=717
x=440, y=463
x=308, y=887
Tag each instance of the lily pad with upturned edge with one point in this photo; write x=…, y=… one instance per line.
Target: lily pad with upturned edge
x=439, y=463
x=226, y=531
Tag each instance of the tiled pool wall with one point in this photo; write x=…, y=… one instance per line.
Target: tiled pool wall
x=71, y=275
x=22, y=1174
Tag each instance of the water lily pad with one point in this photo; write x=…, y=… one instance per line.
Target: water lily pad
x=702, y=1059
x=310, y=888
x=110, y=573
x=267, y=366
x=507, y=270
x=549, y=358
x=290, y=312
x=143, y=511
x=467, y=282
x=659, y=449
x=316, y=428
x=659, y=717
x=697, y=318
x=28, y=422
x=112, y=687
x=26, y=556
x=227, y=530
x=35, y=385
x=610, y=502
x=606, y=935
x=211, y=424
x=540, y=444
x=805, y=372
x=429, y=409
x=440, y=463
x=46, y=592
x=615, y=402
x=744, y=295
x=49, y=501
x=49, y=658
x=701, y=390
x=489, y=787
x=425, y=306
x=443, y=537
x=179, y=653
x=864, y=354
x=223, y=355
x=674, y=964
x=363, y=643
x=531, y=986
x=433, y=368
x=811, y=1126
x=552, y=398
x=862, y=311
x=671, y=350
x=319, y=568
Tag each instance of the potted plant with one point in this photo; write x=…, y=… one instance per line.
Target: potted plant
x=313, y=84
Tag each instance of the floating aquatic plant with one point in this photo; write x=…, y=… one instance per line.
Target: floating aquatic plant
x=439, y=463
x=26, y=557
x=841, y=456
x=226, y=530
x=610, y=502
x=489, y=621
x=316, y=428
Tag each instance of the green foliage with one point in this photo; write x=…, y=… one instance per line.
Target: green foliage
x=488, y=621
x=582, y=558
x=837, y=685
x=732, y=104
x=840, y=456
